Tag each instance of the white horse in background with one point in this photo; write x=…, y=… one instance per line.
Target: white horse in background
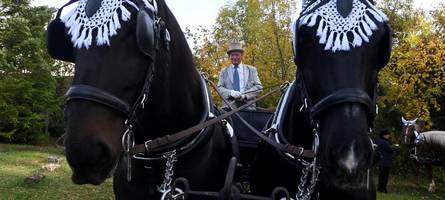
x=428, y=148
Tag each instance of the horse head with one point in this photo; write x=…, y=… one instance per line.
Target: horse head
x=117, y=47
x=340, y=46
x=409, y=130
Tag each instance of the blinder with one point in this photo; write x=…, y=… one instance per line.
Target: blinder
x=58, y=42
x=147, y=32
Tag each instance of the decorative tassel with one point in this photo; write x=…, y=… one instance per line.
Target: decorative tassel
x=125, y=14
x=68, y=16
x=155, y=4
x=324, y=35
x=345, y=43
x=79, y=41
x=367, y=29
x=100, y=37
x=106, y=34
x=305, y=19
x=106, y=21
x=320, y=28
x=329, y=42
x=376, y=15
x=370, y=22
x=117, y=24
x=364, y=37
x=71, y=21
x=132, y=4
x=75, y=32
x=337, y=44
x=112, y=28
x=88, y=39
x=149, y=6
x=383, y=15
x=357, y=40
x=313, y=21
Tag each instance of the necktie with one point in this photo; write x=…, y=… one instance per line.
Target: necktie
x=236, y=85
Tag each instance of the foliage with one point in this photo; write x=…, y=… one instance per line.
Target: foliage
x=264, y=28
x=413, y=82
x=27, y=84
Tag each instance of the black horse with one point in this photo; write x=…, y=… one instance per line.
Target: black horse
x=134, y=74
x=340, y=46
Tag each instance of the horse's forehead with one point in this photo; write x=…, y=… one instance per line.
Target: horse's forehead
x=342, y=25
x=92, y=6
x=97, y=21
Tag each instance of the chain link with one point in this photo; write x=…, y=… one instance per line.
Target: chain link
x=306, y=190
x=165, y=188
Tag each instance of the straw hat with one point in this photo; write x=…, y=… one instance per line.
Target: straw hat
x=235, y=46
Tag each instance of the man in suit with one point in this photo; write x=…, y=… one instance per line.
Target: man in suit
x=238, y=82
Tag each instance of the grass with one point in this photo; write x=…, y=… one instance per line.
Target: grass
x=404, y=187
x=18, y=162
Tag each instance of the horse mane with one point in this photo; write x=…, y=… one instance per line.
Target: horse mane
x=171, y=21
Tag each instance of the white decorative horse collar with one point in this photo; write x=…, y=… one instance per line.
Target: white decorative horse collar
x=333, y=28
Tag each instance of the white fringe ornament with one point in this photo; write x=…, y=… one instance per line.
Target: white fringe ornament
x=104, y=23
x=334, y=29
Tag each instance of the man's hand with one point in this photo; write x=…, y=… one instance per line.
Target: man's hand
x=235, y=94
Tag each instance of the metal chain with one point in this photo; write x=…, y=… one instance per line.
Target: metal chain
x=166, y=185
x=305, y=190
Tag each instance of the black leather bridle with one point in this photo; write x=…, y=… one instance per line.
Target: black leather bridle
x=341, y=96
x=102, y=97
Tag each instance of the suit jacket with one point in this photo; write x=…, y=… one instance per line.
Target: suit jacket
x=252, y=85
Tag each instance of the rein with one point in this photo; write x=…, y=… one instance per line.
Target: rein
x=159, y=144
x=285, y=148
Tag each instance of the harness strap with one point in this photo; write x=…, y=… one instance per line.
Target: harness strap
x=86, y=92
x=346, y=95
x=285, y=148
x=158, y=144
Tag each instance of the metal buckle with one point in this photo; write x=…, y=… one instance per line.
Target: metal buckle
x=146, y=146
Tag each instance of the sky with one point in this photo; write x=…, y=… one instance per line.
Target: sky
x=193, y=13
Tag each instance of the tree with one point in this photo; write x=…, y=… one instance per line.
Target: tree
x=27, y=82
x=264, y=28
x=413, y=81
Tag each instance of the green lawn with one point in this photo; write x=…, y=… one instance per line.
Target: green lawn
x=18, y=162
x=404, y=187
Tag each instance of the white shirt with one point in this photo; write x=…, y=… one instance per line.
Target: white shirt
x=240, y=70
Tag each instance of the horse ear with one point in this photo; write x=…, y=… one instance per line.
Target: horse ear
x=404, y=120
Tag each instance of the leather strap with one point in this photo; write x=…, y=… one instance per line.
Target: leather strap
x=346, y=95
x=86, y=92
x=158, y=144
x=285, y=148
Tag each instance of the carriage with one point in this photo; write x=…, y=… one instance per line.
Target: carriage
x=139, y=111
